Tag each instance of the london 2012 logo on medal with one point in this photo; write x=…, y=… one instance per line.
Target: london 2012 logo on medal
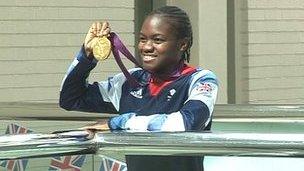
x=102, y=48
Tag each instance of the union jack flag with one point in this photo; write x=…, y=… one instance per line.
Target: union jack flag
x=70, y=163
x=204, y=87
x=15, y=165
x=109, y=164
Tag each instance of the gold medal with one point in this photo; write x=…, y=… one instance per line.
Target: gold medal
x=102, y=48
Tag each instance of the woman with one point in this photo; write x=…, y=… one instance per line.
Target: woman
x=172, y=95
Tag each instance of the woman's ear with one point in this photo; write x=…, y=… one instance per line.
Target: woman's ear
x=184, y=44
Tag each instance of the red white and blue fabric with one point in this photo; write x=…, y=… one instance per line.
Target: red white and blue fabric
x=67, y=163
x=110, y=164
x=181, y=103
x=15, y=165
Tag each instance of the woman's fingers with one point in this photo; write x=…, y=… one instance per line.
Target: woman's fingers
x=97, y=29
x=100, y=28
x=96, y=128
x=106, y=32
x=99, y=126
x=105, y=25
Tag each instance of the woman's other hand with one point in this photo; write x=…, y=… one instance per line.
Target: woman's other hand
x=97, y=29
x=99, y=126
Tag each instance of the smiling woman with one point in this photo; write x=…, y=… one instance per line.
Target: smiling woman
x=171, y=96
x=160, y=48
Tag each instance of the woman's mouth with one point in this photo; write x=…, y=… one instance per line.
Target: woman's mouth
x=148, y=58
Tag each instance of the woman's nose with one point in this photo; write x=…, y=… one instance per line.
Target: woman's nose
x=148, y=45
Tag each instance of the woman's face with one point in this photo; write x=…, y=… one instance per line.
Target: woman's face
x=159, y=48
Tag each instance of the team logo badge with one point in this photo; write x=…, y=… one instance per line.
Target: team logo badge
x=137, y=93
x=204, y=87
x=171, y=93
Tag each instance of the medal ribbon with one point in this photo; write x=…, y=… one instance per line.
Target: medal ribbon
x=118, y=46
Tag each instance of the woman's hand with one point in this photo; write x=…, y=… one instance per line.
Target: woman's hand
x=99, y=126
x=97, y=29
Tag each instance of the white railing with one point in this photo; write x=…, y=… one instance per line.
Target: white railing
x=122, y=143
x=51, y=111
x=152, y=143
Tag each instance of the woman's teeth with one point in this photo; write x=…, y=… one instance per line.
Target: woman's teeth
x=148, y=58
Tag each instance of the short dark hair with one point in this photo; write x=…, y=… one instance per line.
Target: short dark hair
x=180, y=21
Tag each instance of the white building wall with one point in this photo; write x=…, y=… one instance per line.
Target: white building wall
x=275, y=51
x=39, y=38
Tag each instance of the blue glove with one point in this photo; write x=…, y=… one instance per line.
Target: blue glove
x=157, y=122
x=119, y=122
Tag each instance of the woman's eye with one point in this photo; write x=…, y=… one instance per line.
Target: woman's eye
x=158, y=40
x=142, y=39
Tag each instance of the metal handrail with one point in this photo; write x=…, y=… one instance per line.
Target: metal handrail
x=52, y=111
x=44, y=111
x=114, y=144
x=122, y=143
x=200, y=144
x=259, y=111
x=44, y=145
